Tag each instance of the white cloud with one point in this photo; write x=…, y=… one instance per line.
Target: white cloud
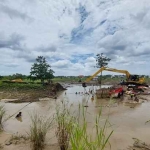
x=70, y=33
x=62, y=64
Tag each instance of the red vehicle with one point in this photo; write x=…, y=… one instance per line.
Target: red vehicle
x=116, y=91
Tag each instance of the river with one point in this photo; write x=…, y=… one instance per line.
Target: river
x=127, y=121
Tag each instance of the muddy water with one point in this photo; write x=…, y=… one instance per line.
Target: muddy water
x=128, y=121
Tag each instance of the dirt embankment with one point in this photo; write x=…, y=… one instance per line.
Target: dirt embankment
x=19, y=95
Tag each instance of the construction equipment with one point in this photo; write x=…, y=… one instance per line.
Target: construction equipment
x=110, y=92
x=17, y=80
x=130, y=79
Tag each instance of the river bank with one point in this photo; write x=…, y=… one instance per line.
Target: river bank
x=25, y=93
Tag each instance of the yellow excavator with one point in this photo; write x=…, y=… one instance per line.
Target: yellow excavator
x=130, y=79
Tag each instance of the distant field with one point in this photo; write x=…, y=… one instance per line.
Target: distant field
x=76, y=79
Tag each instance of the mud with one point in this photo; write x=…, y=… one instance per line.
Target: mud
x=139, y=145
x=14, y=95
x=127, y=119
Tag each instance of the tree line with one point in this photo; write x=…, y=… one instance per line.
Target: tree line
x=41, y=70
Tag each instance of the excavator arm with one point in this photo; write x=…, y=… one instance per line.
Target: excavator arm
x=94, y=75
x=119, y=71
x=108, y=69
x=131, y=79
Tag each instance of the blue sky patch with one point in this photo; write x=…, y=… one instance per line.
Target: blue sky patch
x=78, y=57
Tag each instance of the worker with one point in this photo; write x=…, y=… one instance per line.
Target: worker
x=76, y=93
x=19, y=115
x=132, y=95
x=136, y=99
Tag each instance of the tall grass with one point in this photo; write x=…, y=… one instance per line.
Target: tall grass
x=64, y=126
x=38, y=130
x=72, y=131
x=80, y=138
x=2, y=114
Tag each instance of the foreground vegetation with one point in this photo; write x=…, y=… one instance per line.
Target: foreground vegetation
x=38, y=130
x=2, y=114
x=71, y=130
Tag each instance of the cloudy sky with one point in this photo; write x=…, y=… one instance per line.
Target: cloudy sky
x=69, y=33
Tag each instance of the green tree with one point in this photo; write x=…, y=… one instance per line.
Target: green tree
x=17, y=76
x=41, y=70
x=101, y=61
x=1, y=77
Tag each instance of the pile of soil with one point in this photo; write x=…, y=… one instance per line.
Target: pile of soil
x=32, y=95
x=58, y=87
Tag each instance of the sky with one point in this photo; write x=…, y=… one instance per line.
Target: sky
x=69, y=34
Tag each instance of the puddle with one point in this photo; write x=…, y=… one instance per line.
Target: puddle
x=128, y=120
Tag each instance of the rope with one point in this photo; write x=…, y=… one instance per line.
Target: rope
x=17, y=112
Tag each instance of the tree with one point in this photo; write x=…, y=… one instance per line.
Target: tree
x=1, y=77
x=41, y=70
x=17, y=76
x=101, y=61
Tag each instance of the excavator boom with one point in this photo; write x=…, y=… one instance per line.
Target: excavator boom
x=108, y=69
x=94, y=75
x=118, y=71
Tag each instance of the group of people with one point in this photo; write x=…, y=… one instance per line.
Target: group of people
x=90, y=92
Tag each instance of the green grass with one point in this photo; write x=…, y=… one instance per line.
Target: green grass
x=5, y=86
x=72, y=131
x=64, y=123
x=73, y=79
x=38, y=130
x=81, y=139
x=65, y=79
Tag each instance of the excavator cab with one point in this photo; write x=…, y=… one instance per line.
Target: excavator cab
x=133, y=78
x=136, y=79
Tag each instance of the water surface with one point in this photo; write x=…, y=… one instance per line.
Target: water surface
x=128, y=121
